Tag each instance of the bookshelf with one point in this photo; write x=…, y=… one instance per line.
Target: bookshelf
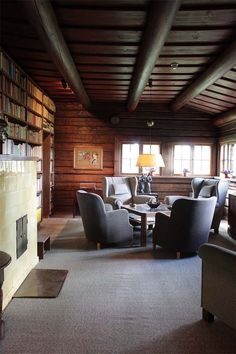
x=29, y=114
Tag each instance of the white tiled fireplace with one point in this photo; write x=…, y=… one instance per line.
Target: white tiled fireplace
x=17, y=199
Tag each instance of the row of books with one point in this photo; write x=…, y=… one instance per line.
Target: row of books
x=35, y=137
x=46, y=114
x=11, y=89
x=9, y=147
x=12, y=70
x=49, y=103
x=47, y=126
x=16, y=131
x=34, y=105
x=39, y=183
x=12, y=108
x=34, y=119
x=36, y=151
x=39, y=200
x=34, y=90
x=39, y=166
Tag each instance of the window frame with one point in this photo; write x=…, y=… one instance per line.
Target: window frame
x=141, y=170
x=192, y=145
x=225, y=157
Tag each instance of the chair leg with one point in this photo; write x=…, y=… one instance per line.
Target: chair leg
x=178, y=255
x=207, y=316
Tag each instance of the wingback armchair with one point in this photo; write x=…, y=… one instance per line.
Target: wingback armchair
x=186, y=227
x=122, y=190
x=218, y=296
x=206, y=188
x=102, y=224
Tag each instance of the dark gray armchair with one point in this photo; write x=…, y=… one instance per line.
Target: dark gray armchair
x=102, y=224
x=206, y=188
x=187, y=227
x=218, y=296
x=122, y=190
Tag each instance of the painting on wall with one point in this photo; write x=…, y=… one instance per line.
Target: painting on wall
x=88, y=157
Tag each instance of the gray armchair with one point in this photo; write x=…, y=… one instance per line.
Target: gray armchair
x=206, y=188
x=218, y=297
x=102, y=224
x=122, y=190
x=187, y=227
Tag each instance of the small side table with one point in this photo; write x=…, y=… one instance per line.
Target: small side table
x=5, y=259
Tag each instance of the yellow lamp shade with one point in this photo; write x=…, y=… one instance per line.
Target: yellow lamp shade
x=150, y=160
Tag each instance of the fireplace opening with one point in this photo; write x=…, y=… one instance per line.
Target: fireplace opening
x=21, y=235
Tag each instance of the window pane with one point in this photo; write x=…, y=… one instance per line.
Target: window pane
x=228, y=158
x=129, y=156
x=182, y=155
x=202, y=159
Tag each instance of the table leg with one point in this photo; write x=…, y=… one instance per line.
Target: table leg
x=143, y=230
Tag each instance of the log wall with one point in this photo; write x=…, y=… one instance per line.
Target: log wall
x=75, y=126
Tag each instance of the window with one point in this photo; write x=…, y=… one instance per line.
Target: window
x=228, y=158
x=192, y=158
x=182, y=158
x=129, y=156
x=130, y=153
x=201, y=160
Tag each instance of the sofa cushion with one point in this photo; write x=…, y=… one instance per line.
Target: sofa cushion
x=206, y=191
x=120, y=188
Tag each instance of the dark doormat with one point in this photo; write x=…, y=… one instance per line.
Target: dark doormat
x=42, y=283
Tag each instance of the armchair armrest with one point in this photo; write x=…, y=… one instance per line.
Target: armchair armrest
x=142, y=199
x=218, y=256
x=118, y=223
x=114, y=201
x=108, y=207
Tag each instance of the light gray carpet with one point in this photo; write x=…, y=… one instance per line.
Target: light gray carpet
x=116, y=301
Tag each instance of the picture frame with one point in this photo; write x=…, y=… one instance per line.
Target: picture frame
x=88, y=157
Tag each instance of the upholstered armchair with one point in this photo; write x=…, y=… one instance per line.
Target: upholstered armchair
x=122, y=190
x=206, y=188
x=218, y=296
x=187, y=227
x=102, y=224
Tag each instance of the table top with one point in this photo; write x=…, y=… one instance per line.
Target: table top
x=144, y=209
x=5, y=259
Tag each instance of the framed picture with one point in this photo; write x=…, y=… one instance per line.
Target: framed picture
x=88, y=157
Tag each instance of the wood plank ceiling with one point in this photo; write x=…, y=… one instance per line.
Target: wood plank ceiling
x=178, y=53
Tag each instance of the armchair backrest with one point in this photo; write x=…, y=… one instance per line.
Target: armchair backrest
x=205, y=188
x=209, y=188
x=111, y=187
x=190, y=222
x=92, y=211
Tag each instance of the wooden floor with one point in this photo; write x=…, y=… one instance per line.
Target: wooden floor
x=52, y=226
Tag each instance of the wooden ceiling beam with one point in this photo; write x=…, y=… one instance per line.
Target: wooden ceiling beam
x=160, y=19
x=215, y=71
x=42, y=17
x=225, y=118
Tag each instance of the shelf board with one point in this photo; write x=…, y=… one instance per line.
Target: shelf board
x=15, y=118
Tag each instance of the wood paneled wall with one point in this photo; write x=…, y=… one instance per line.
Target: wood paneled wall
x=74, y=126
